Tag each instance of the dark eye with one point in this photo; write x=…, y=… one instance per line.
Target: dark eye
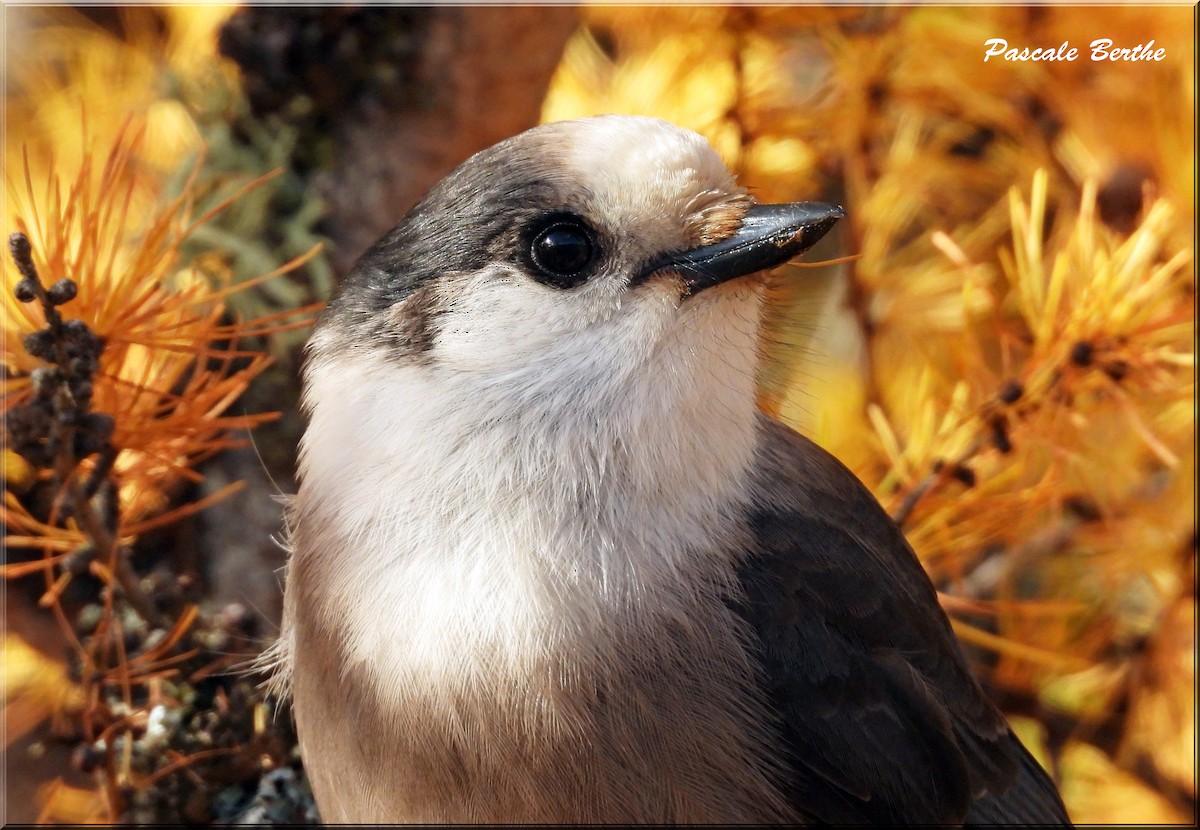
x=562, y=253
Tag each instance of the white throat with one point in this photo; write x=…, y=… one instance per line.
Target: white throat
x=467, y=518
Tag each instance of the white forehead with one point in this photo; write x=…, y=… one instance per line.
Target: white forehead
x=634, y=166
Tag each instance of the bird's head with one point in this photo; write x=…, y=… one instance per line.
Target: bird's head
x=567, y=260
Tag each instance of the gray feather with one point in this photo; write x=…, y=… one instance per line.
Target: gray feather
x=881, y=718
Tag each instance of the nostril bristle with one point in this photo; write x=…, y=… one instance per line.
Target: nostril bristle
x=721, y=220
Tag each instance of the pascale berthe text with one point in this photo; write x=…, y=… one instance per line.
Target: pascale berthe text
x=1101, y=49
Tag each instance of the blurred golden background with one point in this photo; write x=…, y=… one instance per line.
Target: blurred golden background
x=1002, y=344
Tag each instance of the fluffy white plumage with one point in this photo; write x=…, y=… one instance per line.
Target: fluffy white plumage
x=489, y=529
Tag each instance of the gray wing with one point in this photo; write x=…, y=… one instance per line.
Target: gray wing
x=879, y=717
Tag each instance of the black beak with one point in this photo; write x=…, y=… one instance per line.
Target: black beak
x=770, y=235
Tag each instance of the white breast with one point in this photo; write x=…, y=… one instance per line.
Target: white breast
x=473, y=548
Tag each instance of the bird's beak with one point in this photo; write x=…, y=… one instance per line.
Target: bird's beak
x=770, y=235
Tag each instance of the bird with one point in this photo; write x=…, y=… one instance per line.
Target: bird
x=550, y=563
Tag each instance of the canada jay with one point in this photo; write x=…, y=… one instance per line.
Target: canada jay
x=551, y=564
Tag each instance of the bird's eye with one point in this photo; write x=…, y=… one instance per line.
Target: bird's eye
x=562, y=253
